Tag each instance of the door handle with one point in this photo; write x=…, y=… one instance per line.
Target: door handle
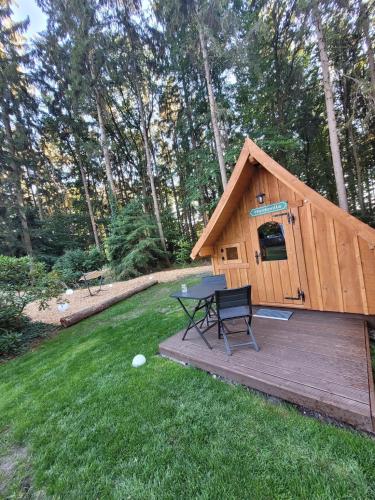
x=257, y=256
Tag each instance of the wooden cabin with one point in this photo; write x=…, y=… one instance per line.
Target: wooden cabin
x=295, y=248
x=300, y=251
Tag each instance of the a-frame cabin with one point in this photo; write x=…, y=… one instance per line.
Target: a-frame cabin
x=300, y=251
x=293, y=246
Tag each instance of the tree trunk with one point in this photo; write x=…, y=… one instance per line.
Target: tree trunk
x=358, y=168
x=150, y=172
x=189, y=219
x=78, y=160
x=16, y=174
x=213, y=108
x=104, y=140
x=370, y=51
x=105, y=149
x=38, y=197
x=176, y=202
x=369, y=191
x=332, y=127
x=88, y=202
x=97, y=308
x=40, y=207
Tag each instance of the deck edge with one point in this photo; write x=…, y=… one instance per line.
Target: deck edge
x=370, y=375
x=330, y=410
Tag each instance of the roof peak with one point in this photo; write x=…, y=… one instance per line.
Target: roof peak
x=252, y=155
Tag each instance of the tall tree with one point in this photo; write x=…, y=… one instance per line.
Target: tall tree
x=331, y=117
x=15, y=101
x=95, y=76
x=83, y=22
x=140, y=63
x=212, y=101
x=78, y=159
x=64, y=107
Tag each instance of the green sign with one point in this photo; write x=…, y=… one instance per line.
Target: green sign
x=268, y=209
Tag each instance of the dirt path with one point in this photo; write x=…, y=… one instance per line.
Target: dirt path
x=81, y=298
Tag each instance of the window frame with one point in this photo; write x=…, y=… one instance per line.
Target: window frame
x=223, y=253
x=280, y=224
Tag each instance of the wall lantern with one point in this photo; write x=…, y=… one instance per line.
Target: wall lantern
x=260, y=198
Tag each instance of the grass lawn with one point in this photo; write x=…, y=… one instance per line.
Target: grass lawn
x=76, y=421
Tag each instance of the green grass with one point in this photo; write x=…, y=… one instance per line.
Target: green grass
x=94, y=427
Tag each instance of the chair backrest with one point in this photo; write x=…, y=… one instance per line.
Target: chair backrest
x=233, y=297
x=219, y=279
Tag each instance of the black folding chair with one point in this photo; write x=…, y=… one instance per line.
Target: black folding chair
x=234, y=303
x=218, y=279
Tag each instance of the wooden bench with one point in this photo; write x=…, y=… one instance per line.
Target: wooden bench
x=90, y=277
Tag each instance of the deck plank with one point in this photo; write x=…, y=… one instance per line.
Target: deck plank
x=317, y=360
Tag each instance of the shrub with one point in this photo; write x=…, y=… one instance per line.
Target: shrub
x=14, y=272
x=74, y=263
x=22, y=281
x=70, y=266
x=11, y=307
x=134, y=247
x=183, y=251
x=94, y=259
x=10, y=342
x=60, y=232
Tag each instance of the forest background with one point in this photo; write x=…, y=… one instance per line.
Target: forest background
x=121, y=122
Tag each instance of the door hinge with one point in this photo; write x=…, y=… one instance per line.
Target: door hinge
x=290, y=217
x=281, y=215
x=300, y=295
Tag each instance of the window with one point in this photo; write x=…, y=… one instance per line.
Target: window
x=272, y=241
x=230, y=253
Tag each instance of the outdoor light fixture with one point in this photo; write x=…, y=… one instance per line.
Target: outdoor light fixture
x=260, y=198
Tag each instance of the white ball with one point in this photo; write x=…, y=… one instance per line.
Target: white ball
x=138, y=360
x=63, y=307
x=69, y=291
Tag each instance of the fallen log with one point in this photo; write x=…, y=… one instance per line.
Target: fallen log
x=90, y=311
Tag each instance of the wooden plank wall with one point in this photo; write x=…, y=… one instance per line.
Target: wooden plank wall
x=337, y=266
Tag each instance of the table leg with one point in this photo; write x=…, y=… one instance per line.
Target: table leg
x=195, y=324
x=211, y=312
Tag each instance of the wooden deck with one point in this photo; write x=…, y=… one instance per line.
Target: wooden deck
x=318, y=360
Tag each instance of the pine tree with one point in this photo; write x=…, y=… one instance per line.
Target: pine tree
x=329, y=99
x=134, y=247
x=16, y=104
x=83, y=23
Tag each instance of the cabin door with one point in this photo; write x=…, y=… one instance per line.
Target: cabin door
x=279, y=260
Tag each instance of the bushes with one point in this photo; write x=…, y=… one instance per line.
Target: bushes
x=22, y=281
x=11, y=307
x=60, y=232
x=70, y=266
x=183, y=252
x=73, y=263
x=134, y=247
x=94, y=259
x=10, y=342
